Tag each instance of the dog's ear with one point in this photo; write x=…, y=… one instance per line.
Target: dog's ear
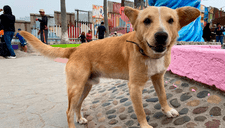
x=131, y=14
x=187, y=15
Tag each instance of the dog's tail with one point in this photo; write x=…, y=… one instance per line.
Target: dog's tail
x=47, y=50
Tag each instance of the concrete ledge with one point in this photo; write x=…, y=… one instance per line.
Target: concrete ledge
x=202, y=64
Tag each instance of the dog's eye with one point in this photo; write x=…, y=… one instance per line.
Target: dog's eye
x=147, y=21
x=170, y=21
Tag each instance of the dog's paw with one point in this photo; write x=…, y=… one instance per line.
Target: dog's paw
x=82, y=121
x=171, y=113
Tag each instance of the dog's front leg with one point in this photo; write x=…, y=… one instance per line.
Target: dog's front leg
x=158, y=82
x=135, y=89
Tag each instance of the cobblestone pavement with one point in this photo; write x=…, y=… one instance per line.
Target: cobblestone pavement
x=33, y=95
x=109, y=105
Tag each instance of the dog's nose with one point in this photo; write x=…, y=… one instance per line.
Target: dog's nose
x=161, y=37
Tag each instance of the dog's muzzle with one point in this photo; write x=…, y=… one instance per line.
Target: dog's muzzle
x=160, y=42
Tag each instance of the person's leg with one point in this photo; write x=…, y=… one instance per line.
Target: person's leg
x=8, y=39
x=25, y=48
x=46, y=36
x=217, y=38
x=42, y=37
x=221, y=40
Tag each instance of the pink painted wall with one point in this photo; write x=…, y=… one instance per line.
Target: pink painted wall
x=200, y=46
x=200, y=63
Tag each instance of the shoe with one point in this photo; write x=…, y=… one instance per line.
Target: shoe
x=11, y=57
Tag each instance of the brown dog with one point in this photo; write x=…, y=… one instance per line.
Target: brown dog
x=136, y=56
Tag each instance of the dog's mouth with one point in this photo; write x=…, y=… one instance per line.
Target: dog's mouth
x=157, y=48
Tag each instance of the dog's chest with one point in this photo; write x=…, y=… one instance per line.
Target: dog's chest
x=155, y=66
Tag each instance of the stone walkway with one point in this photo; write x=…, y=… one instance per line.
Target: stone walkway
x=109, y=106
x=33, y=95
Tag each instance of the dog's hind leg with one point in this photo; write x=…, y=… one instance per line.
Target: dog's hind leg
x=77, y=76
x=86, y=90
x=158, y=83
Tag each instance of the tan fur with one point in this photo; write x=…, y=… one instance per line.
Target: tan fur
x=116, y=58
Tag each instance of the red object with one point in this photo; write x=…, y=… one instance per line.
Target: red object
x=89, y=36
x=36, y=19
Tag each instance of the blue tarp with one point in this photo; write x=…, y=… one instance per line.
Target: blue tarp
x=206, y=14
x=191, y=32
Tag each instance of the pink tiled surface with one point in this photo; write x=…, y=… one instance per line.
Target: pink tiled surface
x=200, y=63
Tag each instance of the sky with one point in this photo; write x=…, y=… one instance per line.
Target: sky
x=22, y=8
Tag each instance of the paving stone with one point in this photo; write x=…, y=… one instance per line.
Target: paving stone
x=166, y=121
x=215, y=111
x=110, y=112
x=213, y=124
x=114, y=90
x=129, y=123
x=147, y=111
x=147, y=97
x=87, y=113
x=144, y=91
x=158, y=115
x=169, y=95
x=185, y=96
x=152, y=100
x=145, y=105
x=195, y=88
x=121, y=85
x=122, y=109
x=117, y=127
x=111, y=116
x=157, y=106
x=101, y=126
x=123, y=100
x=224, y=118
x=94, y=102
x=102, y=91
x=150, y=91
x=105, y=104
x=147, y=118
x=119, y=97
x=175, y=103
x=177, y=82
x=185, y=85
x=182, y=120
x=172, y=81
x=183, y=111
x=123, y=116
x=91, y=124
x=111, y=88
x=133, y=116
x=191, y=125
x=154, y=125
x=128, y=103
x=200, y=110
x=115, y=102
x=101, y=119
x=89, y=118
x=202, y=94
x=113, y=122
x=193, y=103
x=200, y=118
x=130, y=109
x=179, y=90
x=214, y=99
x=172, y=87
x=99, y=114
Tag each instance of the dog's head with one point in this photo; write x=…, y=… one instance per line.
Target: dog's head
x=157, y=27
